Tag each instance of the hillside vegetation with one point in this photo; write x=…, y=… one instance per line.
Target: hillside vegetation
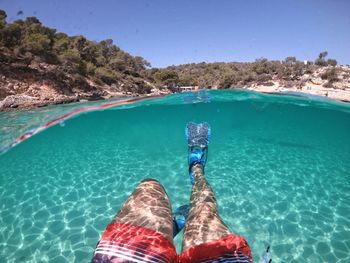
x=237, y=74
x=33, y=54
x=31, y=41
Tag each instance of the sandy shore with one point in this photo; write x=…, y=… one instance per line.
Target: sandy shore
x=313, y=84
x=333, y=93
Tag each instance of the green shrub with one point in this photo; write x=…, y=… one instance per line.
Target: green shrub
x=248, y=78
x=331, y=75
x=264, y=78
x=106, y=75
x=141, y=87
x=70, y=56
x=332, y=62
x=321, y=62
x=328, y=84
x=90, y=69
x=269, y=83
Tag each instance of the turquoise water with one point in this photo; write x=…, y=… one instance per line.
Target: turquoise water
x=15, y=123
x=280, y=167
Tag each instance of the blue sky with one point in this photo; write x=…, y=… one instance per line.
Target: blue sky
x=167, y=32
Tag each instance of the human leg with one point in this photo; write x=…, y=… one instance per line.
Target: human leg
x=206, y=237
x=142, y=230
x=149, y=207
x=204, y=223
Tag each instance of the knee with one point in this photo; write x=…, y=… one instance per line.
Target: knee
x=153, y=183
x=150, y=180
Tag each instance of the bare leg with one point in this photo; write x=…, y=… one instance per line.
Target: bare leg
x=203, y=223
x=149, y=207
x=141, y=231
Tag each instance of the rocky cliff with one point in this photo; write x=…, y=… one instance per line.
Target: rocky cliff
x=24, y=85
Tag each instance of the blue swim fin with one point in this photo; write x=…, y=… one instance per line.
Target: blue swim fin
x=198, y=134
x=179, y=218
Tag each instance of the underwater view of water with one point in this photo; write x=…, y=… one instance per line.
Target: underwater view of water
x=279, y=165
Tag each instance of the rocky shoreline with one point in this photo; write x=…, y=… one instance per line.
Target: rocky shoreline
x=38, y=85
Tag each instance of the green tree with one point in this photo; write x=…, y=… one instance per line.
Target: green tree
x=323, y=55
x=118, y=64
x=79, y=43
x=32, y=20
x=261, y=66
x=89, y=52
x=72, y=62
x=167, y=77
x=61, y=43
x=321, y=60
x=37, y=43
x=11, y=35
x=3, y=17
x=187, y=80
x=107, y=48
x=140, y=63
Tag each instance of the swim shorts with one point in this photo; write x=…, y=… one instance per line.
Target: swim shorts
x=128, y=243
